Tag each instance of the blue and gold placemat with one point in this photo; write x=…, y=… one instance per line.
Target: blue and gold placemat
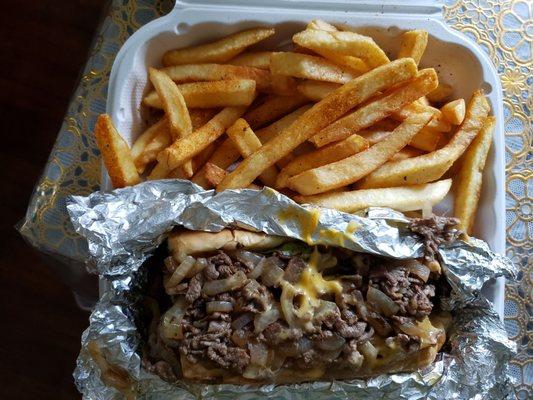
x=504, y=29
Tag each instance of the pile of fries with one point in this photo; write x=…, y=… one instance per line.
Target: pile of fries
x=333, y=122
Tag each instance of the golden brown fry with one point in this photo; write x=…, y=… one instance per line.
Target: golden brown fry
x=186, y=148
x=407, y=198
x=247, y=142
x=259, y=59
x=115, y=153
x=173, y=103
x=221, y=50
x=344, y=44
x=325, y=155
x=407, y=152
x=321, y=25
x=203, y=157
x=442, y=93
x=377, y=109
x=141, y=152
x=214, y=174
x=438, y=123
x=212, y=94
x=454, y=111
x=427, y=139
x=305, y=66
x=430, y=167
x=319, y=116
x=351, y=169
x=468, y=182
x=316, y=90
x=272, y=108
x=413, y=45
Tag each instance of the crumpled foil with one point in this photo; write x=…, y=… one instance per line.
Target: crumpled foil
x=125, y=226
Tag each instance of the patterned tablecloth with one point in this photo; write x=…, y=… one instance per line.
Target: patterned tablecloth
x=504, y=29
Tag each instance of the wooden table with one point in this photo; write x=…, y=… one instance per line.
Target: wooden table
x=44, y=46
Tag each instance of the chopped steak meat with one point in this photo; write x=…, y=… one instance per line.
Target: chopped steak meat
x=435, y=231
x=339, y=322
x=294, y=269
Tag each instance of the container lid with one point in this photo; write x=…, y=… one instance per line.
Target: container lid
x=412, y=7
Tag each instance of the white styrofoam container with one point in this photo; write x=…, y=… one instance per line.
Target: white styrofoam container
x=457, y=60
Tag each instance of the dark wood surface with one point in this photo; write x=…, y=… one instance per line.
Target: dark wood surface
x=44, y=44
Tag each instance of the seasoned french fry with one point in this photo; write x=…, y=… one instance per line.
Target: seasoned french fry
x=274, y=107
x=140, y=151
x=260, y=59
x=442, y=93
x=407, y=152
x=221, y=50
x=407, y=198
x=214, y=174
x=438, y=123
x=319, y=116
x=379, y=131
x=321, y=25
x=342, y=43
x=325, y=155
x=430, y=167
x=186, y=148
x=173, y=103
x=413, y=44
x=427, y=139
x=115, y=153
x=316, y=90
x=308, y=67
x=351, y=169
x=454, y=111
x=226, y=93
x=247, y=142
x=203, y=157
x=468, y=182
x=377, y=109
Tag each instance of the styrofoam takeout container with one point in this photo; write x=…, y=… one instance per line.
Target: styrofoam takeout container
x=457, y=60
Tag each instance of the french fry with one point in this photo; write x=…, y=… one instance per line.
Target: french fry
x=221, y=50
x=442, y=93
x=344, y=44
x=318, y=117
x=156, y=138
x=115, y=153
x=377, y=109
x=140, y=149
x=325, y=155
x=426, y=139
x=305, y=66
x=468, y=182
x=316, y=90
x=214, y=174
x=259, y=59
x=273, y=108
x=321, y=25
x=407, y=152
x=203, y=157
x=351, y=169
x=407, y=198
x=247, y=142
x=172, y=101
x=413, y=45
x=226, y=154
x=186, y=148
x=212, y=94
x=454, y=111
x=438, y=123
x=430, y=167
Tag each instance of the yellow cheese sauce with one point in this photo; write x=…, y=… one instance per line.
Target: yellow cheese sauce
x=312, y=284
x=308, y=221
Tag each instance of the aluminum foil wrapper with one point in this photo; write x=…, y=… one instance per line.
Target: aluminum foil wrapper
x=125, y=226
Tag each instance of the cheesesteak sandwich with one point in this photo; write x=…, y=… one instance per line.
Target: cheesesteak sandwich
x=252, y=308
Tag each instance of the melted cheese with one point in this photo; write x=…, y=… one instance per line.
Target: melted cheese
x=308, y=221
x=312, y=284
x=351, y=227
